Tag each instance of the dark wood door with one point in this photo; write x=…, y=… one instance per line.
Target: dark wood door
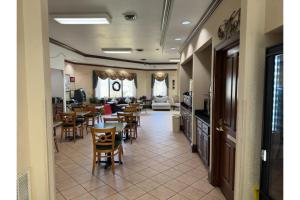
x=226, y=124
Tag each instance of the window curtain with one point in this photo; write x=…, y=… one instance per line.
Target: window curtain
x=114, y=75
x=160, y=76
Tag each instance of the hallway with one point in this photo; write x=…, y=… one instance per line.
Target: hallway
x=158, y=165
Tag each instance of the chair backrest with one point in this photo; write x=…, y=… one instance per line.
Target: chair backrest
x=78, y=109
x=130, y=109
x=111, y=119
x=134, y=105
x=124, y=117
x=68, y=118
x=104, y=137
x=91, y=108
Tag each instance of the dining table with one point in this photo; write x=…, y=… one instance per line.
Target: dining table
x=119, y=129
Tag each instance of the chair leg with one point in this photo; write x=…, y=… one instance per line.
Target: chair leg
x=94, y=163
x=61, y=133
x=56, y=147
x=113, y=163
x=74, y=133
x=120, y=154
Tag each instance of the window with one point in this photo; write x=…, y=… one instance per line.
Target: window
x=104, y=88
x=113, y=93
x=129, y=89
x=160, y=88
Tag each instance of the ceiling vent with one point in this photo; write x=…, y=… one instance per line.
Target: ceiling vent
x=130, y=16
x=139, y=49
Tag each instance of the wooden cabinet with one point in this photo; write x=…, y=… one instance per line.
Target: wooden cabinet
x=186, y=118
x=203, y=140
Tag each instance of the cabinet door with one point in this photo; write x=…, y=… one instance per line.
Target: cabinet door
x=206, y=149
x=198, y=133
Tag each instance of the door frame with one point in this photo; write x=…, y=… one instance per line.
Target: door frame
x=214, y=173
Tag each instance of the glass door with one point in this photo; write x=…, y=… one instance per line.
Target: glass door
x=272, y=141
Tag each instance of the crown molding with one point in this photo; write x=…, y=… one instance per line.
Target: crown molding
x=65, y=46
x=109, y=66
x=209, y=11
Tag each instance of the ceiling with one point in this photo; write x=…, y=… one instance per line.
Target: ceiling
x=143, y=33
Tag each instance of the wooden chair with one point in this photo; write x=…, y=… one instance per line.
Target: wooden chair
x=104, y=141
x=131, y=121
x=133, y=109
x=70, y=125
x=91, y=117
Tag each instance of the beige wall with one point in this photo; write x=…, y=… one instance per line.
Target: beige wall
x=83, y=77
x=261, y=27
x=34, y=132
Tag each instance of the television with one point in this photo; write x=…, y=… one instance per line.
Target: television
x=79, y=95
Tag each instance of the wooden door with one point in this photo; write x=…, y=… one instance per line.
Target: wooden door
x=226, y=122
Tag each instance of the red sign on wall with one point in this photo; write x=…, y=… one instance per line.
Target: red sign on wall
x=72, y=79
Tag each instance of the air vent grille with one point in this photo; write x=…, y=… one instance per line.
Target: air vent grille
x=23, y=186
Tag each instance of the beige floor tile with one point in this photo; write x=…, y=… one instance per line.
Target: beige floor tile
x=86, y=196
x=120, y=184
x=161, y=178
x=187, y=179
x=162, y=193
x=115, y=197
x=147, y=185
x=103, y=192
x=216, y=192
x=147, y=197
x=173, y=173
x=176, y=185
x=183, y=168
x=73, y=192
x=135, y=178
x=209, y=197
x=197, y=173
x=132, y=192
x=59, y=196
x=192, y=193
x=148, y=172
x=92, y=184
x=203, y=186
x=66, y=184
x=178, y=197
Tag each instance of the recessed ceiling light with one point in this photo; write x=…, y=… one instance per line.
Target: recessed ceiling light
x=178, y=39
x=174, y=60
x=117, y=50
x=173, y=48
x=185, y=22
x=83, y=19
x=139, y=49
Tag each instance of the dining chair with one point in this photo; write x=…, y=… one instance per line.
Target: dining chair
x=91, y=117
x=133, y=109
x=131, y=124
x=105, y=142
x=70, y=125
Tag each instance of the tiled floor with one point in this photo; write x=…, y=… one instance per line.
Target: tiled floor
x=158, y=165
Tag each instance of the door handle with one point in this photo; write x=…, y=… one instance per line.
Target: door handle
x=220, y=127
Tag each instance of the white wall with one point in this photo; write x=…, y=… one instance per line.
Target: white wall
x=57, y=83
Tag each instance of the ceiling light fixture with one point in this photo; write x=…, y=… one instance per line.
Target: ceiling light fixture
x=178, y=39
x=117, y=50
x=173, y=48
x=83, y=19
x=174, y=60
x=185, y=22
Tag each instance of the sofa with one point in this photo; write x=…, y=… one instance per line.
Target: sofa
x=161, y=103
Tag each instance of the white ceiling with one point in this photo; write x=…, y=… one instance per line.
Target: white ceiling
x=143, y=33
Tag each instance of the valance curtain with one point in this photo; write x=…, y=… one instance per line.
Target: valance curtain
x=159, y=76
x=121, y=75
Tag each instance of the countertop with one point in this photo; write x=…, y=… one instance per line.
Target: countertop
x=201, y=114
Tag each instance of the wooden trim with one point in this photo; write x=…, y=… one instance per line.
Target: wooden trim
x=217, y=75
x=65, y=46
x=209, y=11
x=109, y=66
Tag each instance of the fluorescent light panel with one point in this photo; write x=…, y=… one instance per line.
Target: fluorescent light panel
x=185, y=22
x=177, y=39
x=117, y=50
x=174, y=60
x=83, y=19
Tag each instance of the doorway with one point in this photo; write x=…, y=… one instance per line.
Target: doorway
x=271, y=184
x=224, y=114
